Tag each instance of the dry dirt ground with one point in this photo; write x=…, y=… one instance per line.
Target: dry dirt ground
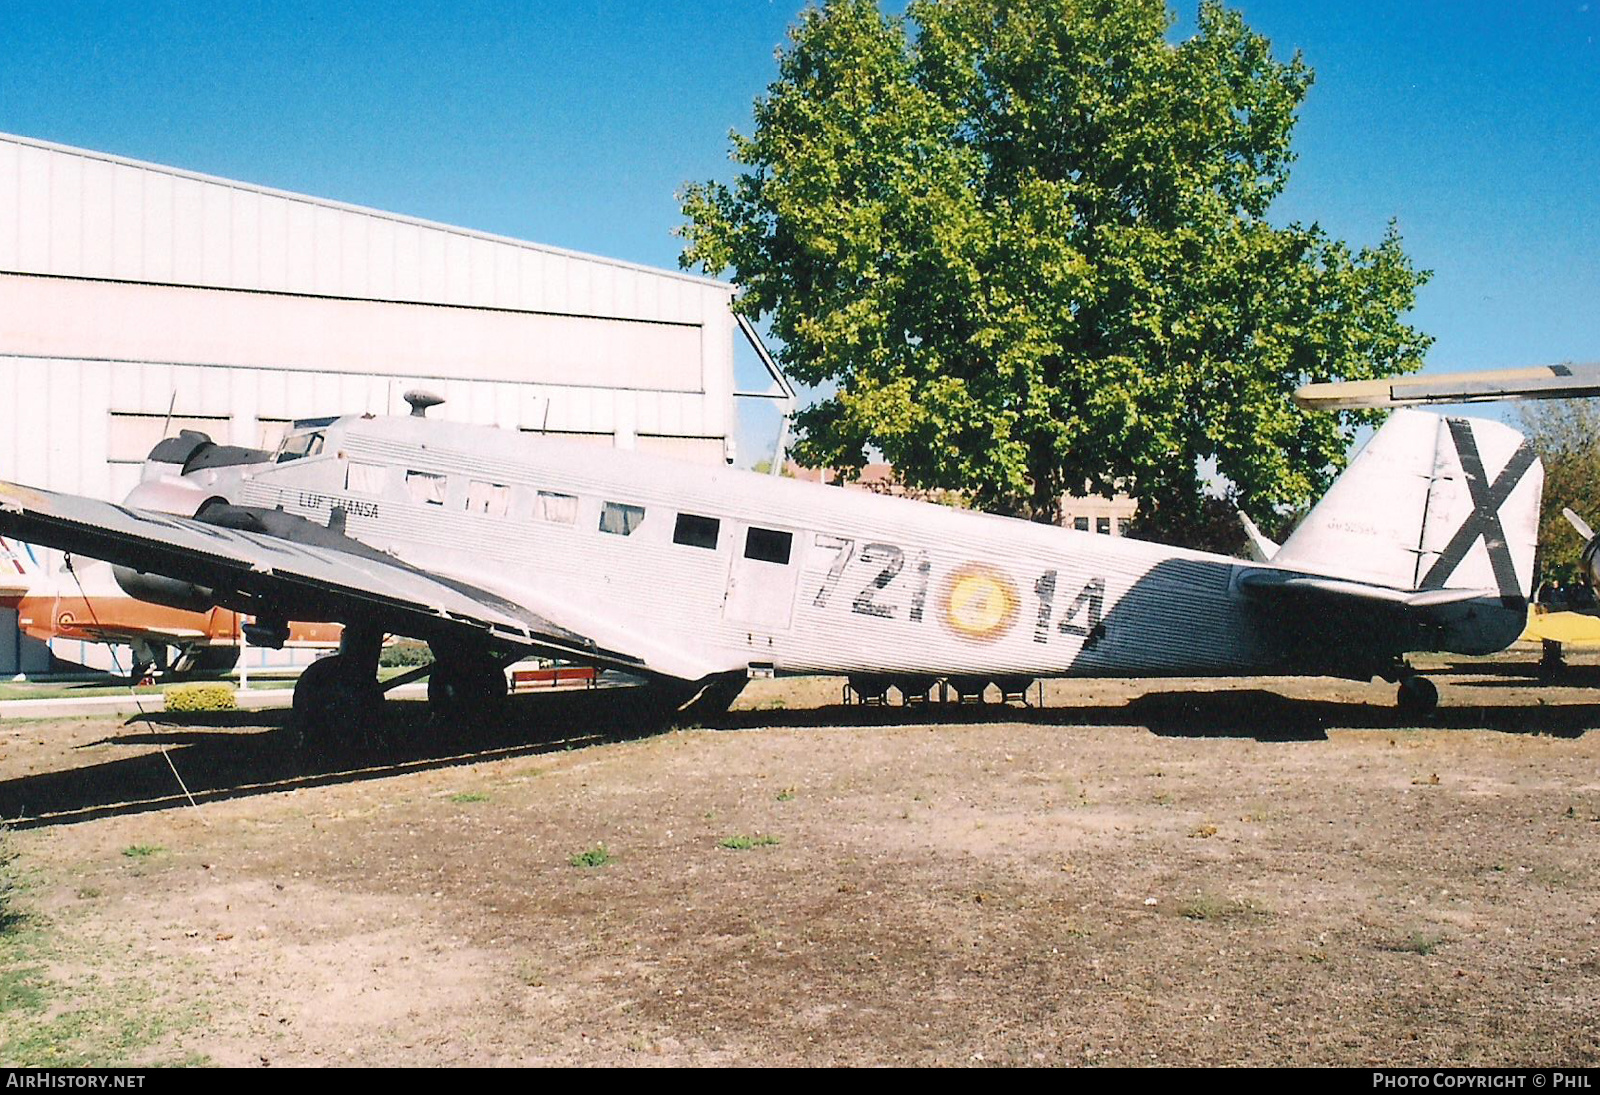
x=1257, y=872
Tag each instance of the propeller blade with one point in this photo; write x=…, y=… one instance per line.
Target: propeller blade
x=1579, y=524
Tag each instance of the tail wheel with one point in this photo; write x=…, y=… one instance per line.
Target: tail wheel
x=1417, y=696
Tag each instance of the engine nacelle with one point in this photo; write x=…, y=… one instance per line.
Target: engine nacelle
x=185, y=596
x=168, y=494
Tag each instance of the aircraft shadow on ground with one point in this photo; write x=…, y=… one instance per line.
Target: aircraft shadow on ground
x=242, y=754
x=1223, y=713
x=245, y=753
x=1571, y=676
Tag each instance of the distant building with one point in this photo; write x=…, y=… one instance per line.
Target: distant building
x=1108, y=516
x=137, y=299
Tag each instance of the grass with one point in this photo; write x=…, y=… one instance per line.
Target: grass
x=1210, y=907
x=109, y=686
x=12, y=916
x=142, y=851
x=94, y=1022
x=1418, y=942
x=70, y=690
x=594, y=857
x=469, y=796
x=739, y=842
x=1553, y=877
x=104, y=1019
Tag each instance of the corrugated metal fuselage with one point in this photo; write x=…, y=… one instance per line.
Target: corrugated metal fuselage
x=735, y=569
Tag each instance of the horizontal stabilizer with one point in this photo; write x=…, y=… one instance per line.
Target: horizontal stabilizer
x=1267, y=582
x=1465, y=621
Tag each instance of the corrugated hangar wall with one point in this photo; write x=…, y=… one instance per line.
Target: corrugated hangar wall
x=130, y=292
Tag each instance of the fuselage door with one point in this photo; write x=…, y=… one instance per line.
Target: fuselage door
x=762, y=580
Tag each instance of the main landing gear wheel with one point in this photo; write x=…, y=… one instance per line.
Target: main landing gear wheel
x=467, y=686
x=335, y=693
x=1417, y=696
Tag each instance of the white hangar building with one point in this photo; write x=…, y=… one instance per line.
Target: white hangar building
x=132, y=293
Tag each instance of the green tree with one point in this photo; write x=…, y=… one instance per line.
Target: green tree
x=1566, y=435
x=1022, y=246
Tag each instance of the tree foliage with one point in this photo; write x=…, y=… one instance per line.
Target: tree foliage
x=1022, y=246
x=1566, y=435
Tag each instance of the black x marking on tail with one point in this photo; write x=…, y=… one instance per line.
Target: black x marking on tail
x=1484, y=521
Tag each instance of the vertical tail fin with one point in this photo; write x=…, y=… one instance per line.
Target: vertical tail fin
x=19, y=571
x=1430, y=503
x=18, y=567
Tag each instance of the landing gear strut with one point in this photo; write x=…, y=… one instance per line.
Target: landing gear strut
x=342, y=691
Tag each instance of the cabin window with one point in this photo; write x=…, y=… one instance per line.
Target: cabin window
x=491, y=498
x=425, y=487
x=300, y=445
x=767, y=545
x=693, y=531
x=366, y=478
x=619, y=519
x=1081, y=524
x=556, y=508
x=1102, y=525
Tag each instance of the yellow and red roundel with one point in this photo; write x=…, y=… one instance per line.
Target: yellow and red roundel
x=979, y=602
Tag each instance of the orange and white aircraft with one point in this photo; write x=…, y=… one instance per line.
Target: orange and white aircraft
x=90, y=606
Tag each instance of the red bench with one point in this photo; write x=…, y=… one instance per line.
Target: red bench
x=564, y=676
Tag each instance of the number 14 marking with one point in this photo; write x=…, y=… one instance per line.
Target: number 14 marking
x=1090, y=603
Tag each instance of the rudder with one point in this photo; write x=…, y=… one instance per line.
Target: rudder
x=1430, y=503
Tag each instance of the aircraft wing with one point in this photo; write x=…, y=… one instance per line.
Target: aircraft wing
x=111, y=633
x=262, y=573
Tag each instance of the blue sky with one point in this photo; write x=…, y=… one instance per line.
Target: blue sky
x=1475, y=125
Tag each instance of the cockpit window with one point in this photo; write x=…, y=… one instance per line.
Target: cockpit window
x=299, y=445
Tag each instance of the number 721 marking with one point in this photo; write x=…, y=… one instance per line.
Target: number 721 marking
x=888, y=561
